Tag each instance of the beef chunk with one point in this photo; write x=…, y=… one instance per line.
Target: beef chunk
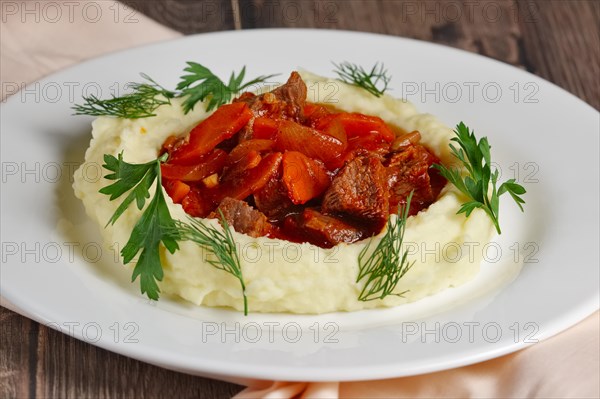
x=242, y=217
x=360, y=191
x=273, y=201
x=322, y=230
x=285, y=102
x=409, y=170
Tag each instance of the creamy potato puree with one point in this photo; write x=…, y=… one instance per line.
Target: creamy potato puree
x=281, y=276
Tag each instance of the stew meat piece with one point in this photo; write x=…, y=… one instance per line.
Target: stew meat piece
x=322, y=230
x=285, y=102
x=272, y=199
x=242, y=217
x=360, y=191
x=409, y=170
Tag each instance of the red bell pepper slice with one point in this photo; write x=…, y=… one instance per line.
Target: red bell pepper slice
x=209, y=164
x=356, y=124
x=370, y=142
x=221, y=125
x=249, y=160
x=292, y=136
x=197, y=203
x=313, y=112
x=258, y=145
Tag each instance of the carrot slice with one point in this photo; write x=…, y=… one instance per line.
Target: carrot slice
x=303, y=177
x=264, y=128
x=209, y=164
x=176, y=189
x=222, y=124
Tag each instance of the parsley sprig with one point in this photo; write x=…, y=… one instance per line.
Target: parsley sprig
x=369, y=80
x=201, y=83
x=475, y=157
x=197, y=85
x=154, y=226
x=388, y=263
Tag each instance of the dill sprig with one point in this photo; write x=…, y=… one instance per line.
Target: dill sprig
x=197, y=85
x=387, y=264
x=476, y=159
x=144, y=99
x=220, y=243
x=369, y=80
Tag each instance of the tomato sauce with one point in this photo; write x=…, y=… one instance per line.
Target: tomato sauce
x=311, y=173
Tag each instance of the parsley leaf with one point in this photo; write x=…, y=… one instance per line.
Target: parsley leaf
x=200, y=83
x=475, y=157
x=154, y=226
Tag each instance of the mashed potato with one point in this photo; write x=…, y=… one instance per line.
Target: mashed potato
x=282, y=276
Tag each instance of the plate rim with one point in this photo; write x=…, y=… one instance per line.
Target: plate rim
x=325, y=374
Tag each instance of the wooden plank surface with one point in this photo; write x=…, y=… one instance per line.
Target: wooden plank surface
x=557, y=40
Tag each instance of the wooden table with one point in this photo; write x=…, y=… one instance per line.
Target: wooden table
x=557, y=40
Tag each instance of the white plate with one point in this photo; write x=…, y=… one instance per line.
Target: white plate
x=546, y=135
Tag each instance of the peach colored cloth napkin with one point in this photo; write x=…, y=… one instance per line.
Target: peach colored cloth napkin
x=39, y=37
x=36, y=41
x=564, y=366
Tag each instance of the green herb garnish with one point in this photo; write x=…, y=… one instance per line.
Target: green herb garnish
x=387, y=264
x=146, y=97
x=201, y=83
x=357, y=76
x=154, y=226
x=476, y=159
x=220, y=243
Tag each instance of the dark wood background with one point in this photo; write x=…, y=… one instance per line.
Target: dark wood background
x=555, y=39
